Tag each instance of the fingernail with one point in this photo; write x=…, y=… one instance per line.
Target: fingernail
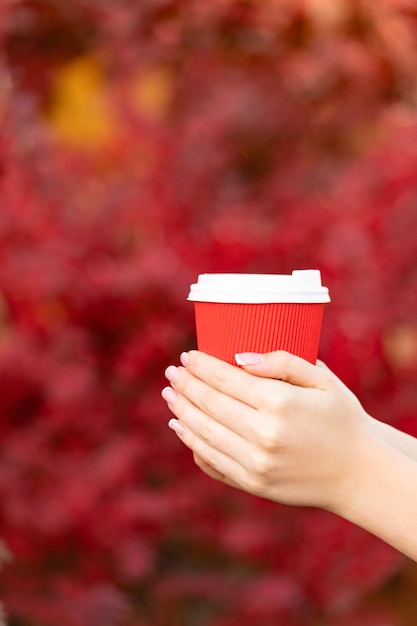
x=248, y=358
x=176, y=426
x=185, y=359
x=169, y=395
x=172, y=373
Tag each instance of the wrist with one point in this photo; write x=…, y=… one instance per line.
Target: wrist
x=357, y=466
x=380, y=496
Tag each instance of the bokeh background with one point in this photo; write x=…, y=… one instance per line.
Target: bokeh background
x=144, y=142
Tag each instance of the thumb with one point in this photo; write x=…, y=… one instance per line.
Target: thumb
x=284, y=366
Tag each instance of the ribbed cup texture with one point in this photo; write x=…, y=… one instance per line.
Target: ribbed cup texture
x=225, y=329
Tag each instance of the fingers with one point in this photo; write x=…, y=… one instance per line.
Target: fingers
x=225, y=409
x=204, y=434
x=207, y=469
x=210, y=471
x=286, y=367
x=211, y=459
x=235, y=398
x=224, y=377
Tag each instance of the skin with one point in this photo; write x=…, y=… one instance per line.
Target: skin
x=289, y=431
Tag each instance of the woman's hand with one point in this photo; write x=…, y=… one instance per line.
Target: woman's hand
x=280, y=427
x=290, y=431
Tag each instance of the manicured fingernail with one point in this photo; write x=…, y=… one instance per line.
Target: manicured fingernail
x=172, y=373
x=185, y=359
x=169, y=395
x=176, y=427
x=248, y=358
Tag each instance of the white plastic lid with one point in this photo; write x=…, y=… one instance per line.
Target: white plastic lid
x=302, y=286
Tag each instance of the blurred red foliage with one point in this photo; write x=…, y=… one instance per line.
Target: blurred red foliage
x=141, y=144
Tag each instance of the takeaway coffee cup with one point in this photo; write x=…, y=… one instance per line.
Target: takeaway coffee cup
x=259, y=313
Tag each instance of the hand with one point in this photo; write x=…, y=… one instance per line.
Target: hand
x=280, y=428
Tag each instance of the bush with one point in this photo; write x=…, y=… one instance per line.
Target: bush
x=142, y=144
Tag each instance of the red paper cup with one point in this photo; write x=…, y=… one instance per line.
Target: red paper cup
x=259, y=313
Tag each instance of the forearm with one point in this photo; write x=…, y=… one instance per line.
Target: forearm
x=382, y=495
x=405, y=443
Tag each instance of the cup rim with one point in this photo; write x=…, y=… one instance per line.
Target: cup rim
x=301, y=286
